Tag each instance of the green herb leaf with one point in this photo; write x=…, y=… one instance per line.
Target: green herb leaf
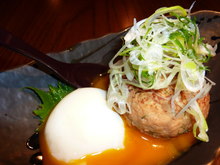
x=49, y=99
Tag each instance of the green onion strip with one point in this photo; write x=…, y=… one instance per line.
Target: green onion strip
x=157, y=52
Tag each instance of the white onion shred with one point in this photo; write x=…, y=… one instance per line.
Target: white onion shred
x=160, y=51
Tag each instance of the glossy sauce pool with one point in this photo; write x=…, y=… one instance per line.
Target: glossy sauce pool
x=140, y=149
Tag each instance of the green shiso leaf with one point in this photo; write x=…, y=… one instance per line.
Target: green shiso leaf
x=49, y=99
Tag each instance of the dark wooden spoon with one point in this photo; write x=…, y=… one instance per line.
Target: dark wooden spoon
x=76, y=74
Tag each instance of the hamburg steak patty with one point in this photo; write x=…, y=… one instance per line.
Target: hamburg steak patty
x=151, y=111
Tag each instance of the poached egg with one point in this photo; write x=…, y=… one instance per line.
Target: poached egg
x=82, y=124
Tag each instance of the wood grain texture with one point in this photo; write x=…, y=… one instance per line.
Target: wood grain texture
x=55, y=25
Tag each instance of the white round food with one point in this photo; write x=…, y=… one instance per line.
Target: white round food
x=83, y=124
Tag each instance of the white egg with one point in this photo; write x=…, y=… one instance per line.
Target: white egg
x=82, y=124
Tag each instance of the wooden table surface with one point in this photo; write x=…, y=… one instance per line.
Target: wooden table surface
x=55, y=25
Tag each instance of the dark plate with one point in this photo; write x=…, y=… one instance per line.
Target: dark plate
x=16, y=119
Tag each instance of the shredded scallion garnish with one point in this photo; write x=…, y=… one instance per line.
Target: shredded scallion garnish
x=164, y=49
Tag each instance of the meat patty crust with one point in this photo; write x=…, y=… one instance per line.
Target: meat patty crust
x=151, y=111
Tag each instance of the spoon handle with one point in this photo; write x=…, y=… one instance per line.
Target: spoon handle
x=9, y=41
x=77, y=74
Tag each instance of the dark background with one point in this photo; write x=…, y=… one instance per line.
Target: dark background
x=55, y=25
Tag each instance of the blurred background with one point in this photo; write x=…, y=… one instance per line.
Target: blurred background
x=55, y=25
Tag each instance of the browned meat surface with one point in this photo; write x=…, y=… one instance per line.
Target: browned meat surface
x=151, y=111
